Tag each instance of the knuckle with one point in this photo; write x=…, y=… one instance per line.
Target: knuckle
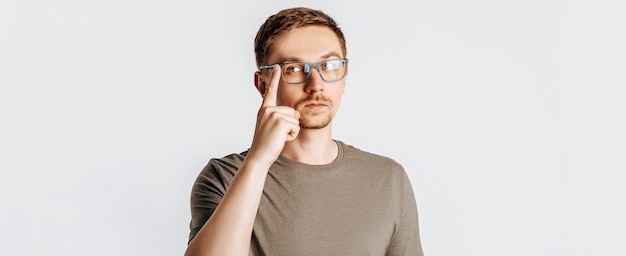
x=273, y=114
x=265, y=111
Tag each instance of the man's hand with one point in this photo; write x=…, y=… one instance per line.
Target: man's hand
x=275, y=124
x=228, y=230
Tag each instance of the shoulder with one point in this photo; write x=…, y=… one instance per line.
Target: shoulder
x=357, y=156
x=383, y=173
x=230, y=161
x=352, y=152
x=222, y=169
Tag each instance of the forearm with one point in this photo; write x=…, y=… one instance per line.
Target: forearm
x=228, y=230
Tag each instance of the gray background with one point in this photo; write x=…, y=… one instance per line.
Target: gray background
x=507, y=115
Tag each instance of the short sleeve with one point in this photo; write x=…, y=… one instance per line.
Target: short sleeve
x=207, y=192
x=406, y=238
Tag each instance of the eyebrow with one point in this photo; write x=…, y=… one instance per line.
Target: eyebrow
x=323, y=57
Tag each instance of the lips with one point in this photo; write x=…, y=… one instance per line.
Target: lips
x=314, y=104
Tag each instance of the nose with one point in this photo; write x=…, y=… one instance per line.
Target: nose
x=315, y=82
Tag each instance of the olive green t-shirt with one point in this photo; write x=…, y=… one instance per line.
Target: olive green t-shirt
x=360, y=204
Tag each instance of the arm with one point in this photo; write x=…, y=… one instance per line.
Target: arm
x=228, y=230
x=406, y=238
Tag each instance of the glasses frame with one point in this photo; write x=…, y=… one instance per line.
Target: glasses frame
x=316, y=66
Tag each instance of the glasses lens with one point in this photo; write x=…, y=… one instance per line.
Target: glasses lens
x=332, y=70
x=295, y=72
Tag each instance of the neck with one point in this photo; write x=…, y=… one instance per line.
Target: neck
x=312, y=146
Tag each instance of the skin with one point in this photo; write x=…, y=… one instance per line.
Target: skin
x=294, y=120
x=310, y=44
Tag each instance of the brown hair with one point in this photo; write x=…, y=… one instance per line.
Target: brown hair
x=288, y=19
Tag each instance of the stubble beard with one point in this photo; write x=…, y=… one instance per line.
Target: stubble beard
x=315, y=119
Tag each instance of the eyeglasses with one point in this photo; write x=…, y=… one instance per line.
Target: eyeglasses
x=300, y=72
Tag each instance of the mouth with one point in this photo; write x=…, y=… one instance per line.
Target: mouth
x=314, y=105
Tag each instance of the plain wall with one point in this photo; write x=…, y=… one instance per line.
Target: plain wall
x=507, y=115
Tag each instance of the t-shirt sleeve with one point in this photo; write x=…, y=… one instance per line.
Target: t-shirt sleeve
x=406, y=238
x=207, y=192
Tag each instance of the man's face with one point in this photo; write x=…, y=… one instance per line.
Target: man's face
x=316, y=100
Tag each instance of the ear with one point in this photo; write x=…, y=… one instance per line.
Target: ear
x=259, y=83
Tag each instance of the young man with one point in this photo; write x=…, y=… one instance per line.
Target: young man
x=296, y=191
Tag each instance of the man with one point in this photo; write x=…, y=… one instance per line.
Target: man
x=296, y=191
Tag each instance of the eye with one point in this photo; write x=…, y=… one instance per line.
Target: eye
x=294, y=68
x=331, y=64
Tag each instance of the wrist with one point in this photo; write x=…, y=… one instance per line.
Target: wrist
x=256, y=165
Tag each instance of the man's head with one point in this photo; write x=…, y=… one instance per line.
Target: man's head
x=311, y=50
x=286, y=20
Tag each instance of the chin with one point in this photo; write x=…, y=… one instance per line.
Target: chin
x=315, y=122
x=314, y=126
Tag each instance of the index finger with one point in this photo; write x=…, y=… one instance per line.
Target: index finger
x=269, y=99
